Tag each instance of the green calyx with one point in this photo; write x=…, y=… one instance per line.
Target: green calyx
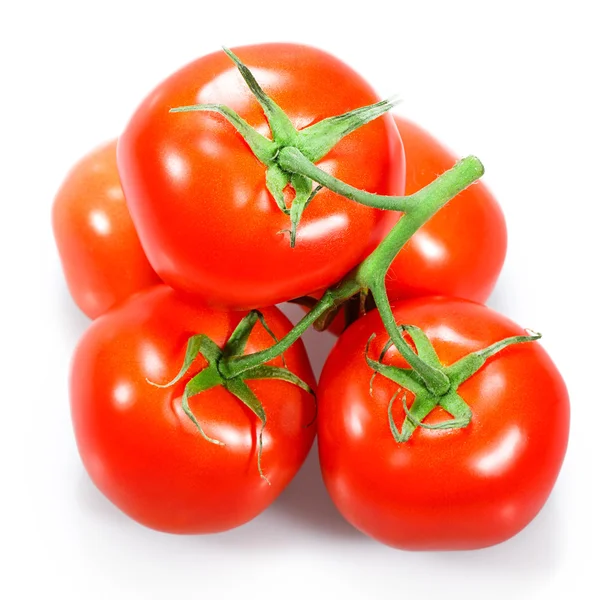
x=425, y=400
x=311, y=143
x=211, y=375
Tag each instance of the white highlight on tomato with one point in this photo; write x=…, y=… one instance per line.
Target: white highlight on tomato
x=428, y=245
x=153, y=364
x=123, y=394
x=115, y=193
x=494, y=461
x=322, y=227
x=99, y=222
x=176, y=166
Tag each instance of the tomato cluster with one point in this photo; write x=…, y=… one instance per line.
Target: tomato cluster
x=275, y=174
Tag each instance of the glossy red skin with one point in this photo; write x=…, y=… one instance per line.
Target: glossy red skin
x=461, y=250
x=445, y=489
x=143, y=452
x=198, y=197
x=101, y=254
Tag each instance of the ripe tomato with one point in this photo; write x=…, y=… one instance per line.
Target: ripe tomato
x=442, y=489
x=198, y=197
x=145, y=454
x=461, y=250
x=100, y=251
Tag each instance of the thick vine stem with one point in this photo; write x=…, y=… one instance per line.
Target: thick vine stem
x=370, y=274
x=293, y=161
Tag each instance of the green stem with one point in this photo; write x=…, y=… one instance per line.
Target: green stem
x=234, y=366
x=434, y=379
x=419, y=208
x=424, y=204
x=292, y=160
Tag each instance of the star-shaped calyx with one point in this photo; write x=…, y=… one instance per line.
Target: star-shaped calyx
x=313, y=142
x=211, y=376
x=424, y=400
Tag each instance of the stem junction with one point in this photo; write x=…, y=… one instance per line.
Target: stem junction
x=289, y=158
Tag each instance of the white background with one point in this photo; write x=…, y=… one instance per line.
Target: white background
x=513, y=82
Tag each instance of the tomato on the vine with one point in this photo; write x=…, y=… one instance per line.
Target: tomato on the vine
x=100, y=251
x=198, y=194
x=461, y=250
x=457, y=488
x=140, y=447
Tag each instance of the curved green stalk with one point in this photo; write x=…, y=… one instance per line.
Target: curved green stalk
x=370, y=274
x=292, y=160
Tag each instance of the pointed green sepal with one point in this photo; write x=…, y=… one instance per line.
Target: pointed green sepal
x=403, y=377
x=453, y=404
x=243, y=393
x=303, y=188
x=422, y=405
x=270, y=372
x=277, y=180
x=236, y=344
x=263, y=148
x=312, y=195
x=466, y=367
x=203, y=381
x=318, y=139
x=266, y=327
x=392, y=423
x=423, y=345
x=197, y=344
x=283, y=130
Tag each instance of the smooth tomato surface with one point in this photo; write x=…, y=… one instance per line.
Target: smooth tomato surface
x=461, y=250
x=198, y=197
x=100, y=251
x=443, y=489
x=140, y=448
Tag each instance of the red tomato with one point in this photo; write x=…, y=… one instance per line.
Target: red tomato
x=443, y=489
x=140, y=448
x=461, y=250
x=100, y=252
x=198, y=197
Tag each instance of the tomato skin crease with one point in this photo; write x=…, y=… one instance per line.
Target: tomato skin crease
x=198, y=196
x=443, y=489
x=145, y=454
x=461, y=250
x=99, y=249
